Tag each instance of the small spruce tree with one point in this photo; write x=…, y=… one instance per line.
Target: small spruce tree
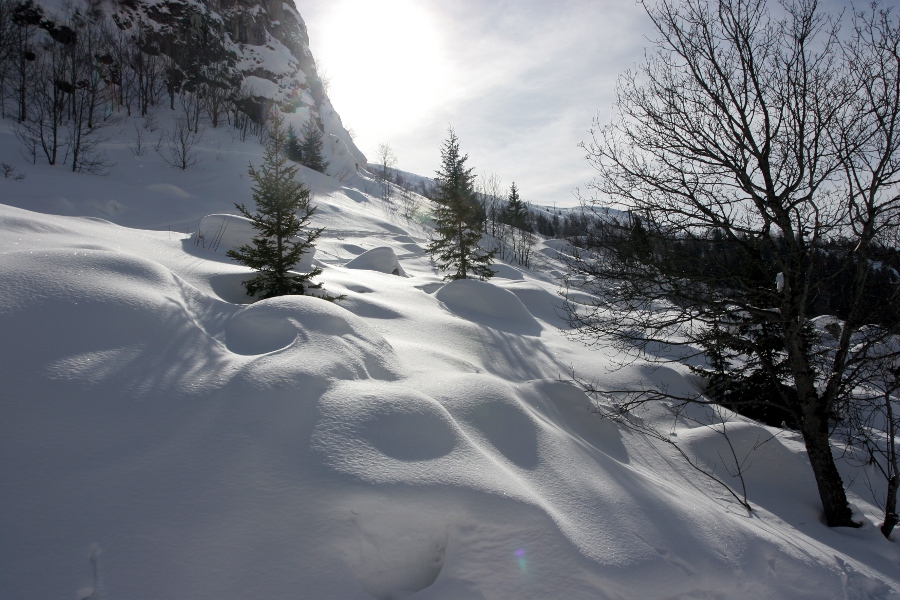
x=282, y=216
x=292, y=149
x=515, y=213
x=457, y=213
x=311, y=148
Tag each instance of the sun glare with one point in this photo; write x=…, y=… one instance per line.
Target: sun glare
x=384, y=61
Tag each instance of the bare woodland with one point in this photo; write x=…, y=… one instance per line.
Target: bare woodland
x=749, y=149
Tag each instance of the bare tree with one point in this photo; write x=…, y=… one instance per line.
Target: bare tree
x=216, y=94
x=523, y=244
x=46, y=109
x=743, y=144
x=490, y=191
x=146, y=63
x=173, y=76
x=117, y=58
x=387, y=160
x=7, y=51
x=192, y=107
x=139, y=147
x=85, y=119
x=10, y=172
x=25, y=17
x=240, y=120
x=178, y=147
x=408, y=204
x=871, y=427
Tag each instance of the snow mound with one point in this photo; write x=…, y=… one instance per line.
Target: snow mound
x=506, y=272
x=380, y=259
x=221, y=233
x=556, y=249
x=312, y=337
x=774, y=470
x=563, y=245
x=168, y=189
x=823, y=321
x=259, y=329
x=389, y=433
x=95, y=315
x=399, y=551
x=492, y=415
x=352, y=249
x=542, y=304
x=489, y=305
x=413, y=440
x=22, y=225
x=398, y=423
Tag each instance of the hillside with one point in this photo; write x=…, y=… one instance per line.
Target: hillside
x=417, y=439
x=163, y=437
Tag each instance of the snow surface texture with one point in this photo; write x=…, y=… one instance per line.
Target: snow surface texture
x=414, y=440
x=380, y=259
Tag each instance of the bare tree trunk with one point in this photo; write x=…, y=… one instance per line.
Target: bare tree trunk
x=772, y=134
x=828, y=481
x=890, y=516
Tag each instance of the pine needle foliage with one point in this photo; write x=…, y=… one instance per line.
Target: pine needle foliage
x=515, y=212
x=457, y=218
x=281, y=219
x=312, y=147
x=292, y=148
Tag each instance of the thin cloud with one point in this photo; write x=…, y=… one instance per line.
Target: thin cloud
x=521, y=84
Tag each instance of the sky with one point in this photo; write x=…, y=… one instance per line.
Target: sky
x=520, y=82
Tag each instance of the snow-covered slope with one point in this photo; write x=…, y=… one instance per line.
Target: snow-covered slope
x=417, y=439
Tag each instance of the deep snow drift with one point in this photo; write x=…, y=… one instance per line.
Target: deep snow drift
x=417, y=439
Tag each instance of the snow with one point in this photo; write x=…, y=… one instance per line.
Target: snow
x=257, y=86
x=485, y=303
x=380, y=259
x=418, y=439
x=224, y=232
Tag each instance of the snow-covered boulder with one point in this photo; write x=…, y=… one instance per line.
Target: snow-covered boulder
x=829, y=328
x=380, y=259
x=221, y=233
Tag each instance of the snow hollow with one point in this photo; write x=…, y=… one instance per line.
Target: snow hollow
x=417, y=439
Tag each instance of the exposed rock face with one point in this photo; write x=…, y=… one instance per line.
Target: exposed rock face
x=257, y=49
x=239, y=33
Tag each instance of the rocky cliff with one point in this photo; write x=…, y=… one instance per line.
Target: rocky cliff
x=255, y=52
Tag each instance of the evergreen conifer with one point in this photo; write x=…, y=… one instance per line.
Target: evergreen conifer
x=281, y=220
x=515, y=213
x=311, y=148
x=457, y=231
x=292, y=149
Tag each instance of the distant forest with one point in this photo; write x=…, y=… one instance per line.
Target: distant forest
x=705, y=253
x=709, y=256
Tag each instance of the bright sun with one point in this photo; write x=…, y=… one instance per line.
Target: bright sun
x=385, y=63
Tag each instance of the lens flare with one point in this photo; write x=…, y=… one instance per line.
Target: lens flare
x=520, y=558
